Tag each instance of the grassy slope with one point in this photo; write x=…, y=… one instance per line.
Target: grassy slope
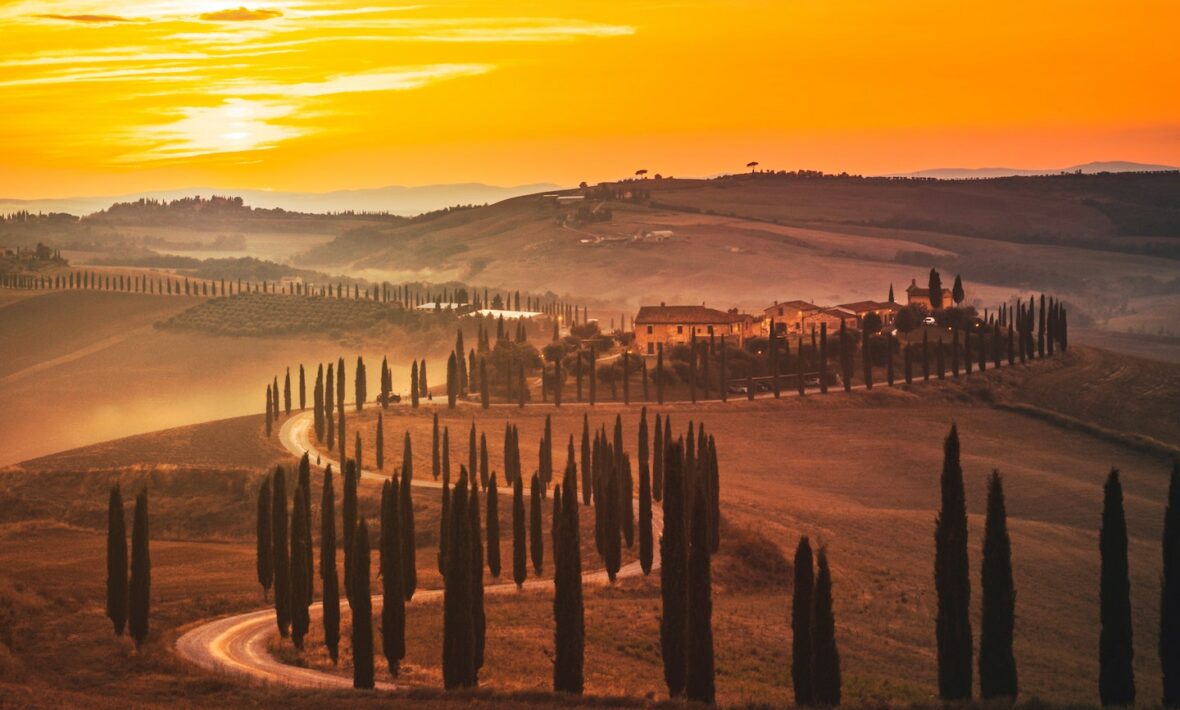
x=857, y=473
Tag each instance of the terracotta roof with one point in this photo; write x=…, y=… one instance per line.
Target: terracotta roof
x=862, y=306
x=684, y=315
x=793, y=305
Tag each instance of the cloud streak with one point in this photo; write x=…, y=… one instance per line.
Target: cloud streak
x=241, y=14
x=86, y=19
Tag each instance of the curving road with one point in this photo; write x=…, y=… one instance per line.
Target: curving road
x=239, y=645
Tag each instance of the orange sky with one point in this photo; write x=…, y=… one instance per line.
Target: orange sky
x=113, y=96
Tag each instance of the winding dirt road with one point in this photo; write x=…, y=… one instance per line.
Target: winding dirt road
x=238, y=645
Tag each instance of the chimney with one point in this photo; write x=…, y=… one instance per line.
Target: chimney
x=661, y=304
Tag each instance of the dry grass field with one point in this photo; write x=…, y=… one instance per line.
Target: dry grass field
x=858, y=473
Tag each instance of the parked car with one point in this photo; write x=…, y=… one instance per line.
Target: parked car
x=392, y=399
x=929, y=320
x=811, y=381
x=737, y=389
x=762, y=386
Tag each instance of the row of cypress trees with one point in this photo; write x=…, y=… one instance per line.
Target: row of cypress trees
x=128, y=602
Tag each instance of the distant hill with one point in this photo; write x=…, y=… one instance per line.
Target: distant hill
x=1110, y=166
x=394, y=199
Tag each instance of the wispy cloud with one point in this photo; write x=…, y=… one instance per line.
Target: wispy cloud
x=390, y=79
x=90, y=19
x=241, y=14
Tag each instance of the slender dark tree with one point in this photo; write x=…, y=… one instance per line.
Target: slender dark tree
x=308, y=561
x=318, y=404
x=452, y=382
x=328, y=577
x=645, y=527
x=673, y=572
x=957, y=294
x=825, y=657
x=951, y=578
x=282, y=553
x=406, y=518
x=269, y=412
x=519, y=544
x=699, y=681
x=1170, y=595
x=935, y=290
x=444, y=528
x=801, y=603
x=997, y=664
x=140, y=585
x=536, y=543
x=380, y=443
x=362, y=609
x=348, y=516
x=117, y=559
x=414, y=385
x=479, y=620
x=287, y=393
x=1116, y=677
x=493, y=527
x=458, y=660
x=435, y=460
x=570, y=632
x=300, y=599
x=587, y=475
x=393, y=604
x=657, y=463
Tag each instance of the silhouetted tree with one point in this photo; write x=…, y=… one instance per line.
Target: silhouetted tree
x=348, y=516
x=281, y=554
x=951, y=579
x=657, y=462
x=478, y=617
x=493, y=527
x=117, y=560
x=997, y=664
x=957, y=294
x=699, y=681
x=300, y=599
x=362, y=609
x=1170, y=594
x=458, y=659
x=536, y=543
x=269, y=412
x=380, y=443
x=287, y=393
x=328, y=577
x=406, y=518
x=801, y=603
x=645, y=527
x=519, y=544
x=435, y=457
x=673, y=571
x=1116, y=677
x=414, y=385
x=587, y=474
x=825, y=657
x=393, y=605
x=935, y=286
x=140, y=585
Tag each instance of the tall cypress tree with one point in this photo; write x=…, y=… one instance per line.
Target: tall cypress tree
x=393, y=605
x=117, y=561
x=997, y=664
x=328, y=577
x=519, y=544
x=645, y=527
x=951, y=578
x=570, y=630
x=282, y=554
x=269, y=412
x=406, y=518
x=479, y=619
x=587, y=476
x=1116, y=677
x=657, y=463
x=287, y=393
x=140, y=587
x=699, y=682
x=414, y=385
x=483, y=460
x=304, y=482
x=348, y=516
x=318, y=404
x=380, y=443
x=300, y=599
x=302, y=389
x=435, y=461
x=493, y=526
x=536, y=543
x=825, y=656
x=801, y=604
x=673, y=570
x=458, y=659
x=362, y=609
x=1170, y=594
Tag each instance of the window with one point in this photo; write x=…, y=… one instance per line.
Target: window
x=680, y=330
x=710, y=330
x=649, y=331
x=651, y=348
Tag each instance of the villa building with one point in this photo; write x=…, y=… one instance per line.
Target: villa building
x=673, y=325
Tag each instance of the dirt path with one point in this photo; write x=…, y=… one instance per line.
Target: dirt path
x=238, y=645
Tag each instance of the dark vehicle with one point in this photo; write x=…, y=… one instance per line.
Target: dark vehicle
x=736, y=388
x=391, y=399
x=762, y=386
x=811, y=380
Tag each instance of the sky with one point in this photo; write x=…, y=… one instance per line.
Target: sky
x=117, y=96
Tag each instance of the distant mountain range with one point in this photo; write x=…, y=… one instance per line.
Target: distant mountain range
x=394, y=199
x=1111, y=166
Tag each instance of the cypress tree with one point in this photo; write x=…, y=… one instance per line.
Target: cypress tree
x=458, y=659
x=287, y=393
x=304, y=482
x=479, y=618
x=328, y=577
x=340, y=388
x=300, y=599
x=519, y=556
x=951, y=579
x=348, y=516
x=801, y=604
x=673, y=564
x=825, y=657
x=699, y=682
x=380, y=443
x=714, y=491
x=657, y=463
x=1116, y=677
x=536, y=543
x=140, y=586
x=493, y=526
x=264, y=559
x=444, y=531
x=423, y=385
x=302, y=389
x=483, y=460
x=434, y=450
x=318, y=404
x=587, y=475
x=997, y=665
x=570, y=631
x=362, y=609
x=1170, y=594
x=117, y=560
x=414, y=385
x=452, y=382
x=645, y=528
x=282, y=555
x=406, y=518
x=393, y=605
x=269, y=412
x=660, y=373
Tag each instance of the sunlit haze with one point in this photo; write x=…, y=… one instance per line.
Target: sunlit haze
x=104, y=96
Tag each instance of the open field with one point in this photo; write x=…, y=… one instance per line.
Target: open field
x=857, y=473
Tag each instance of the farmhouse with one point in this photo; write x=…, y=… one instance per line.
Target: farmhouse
x=787, y=316
x=887, y=311
x=673, y=325
x=921, y=296
x=833, y=317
